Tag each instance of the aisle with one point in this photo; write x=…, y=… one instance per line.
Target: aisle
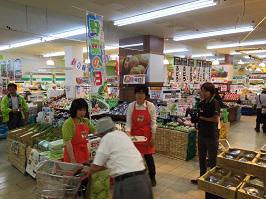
x=173, y=176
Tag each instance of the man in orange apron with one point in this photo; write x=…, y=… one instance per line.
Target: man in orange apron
x=141, y=121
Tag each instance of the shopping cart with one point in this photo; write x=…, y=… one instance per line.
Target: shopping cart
x=59, y=180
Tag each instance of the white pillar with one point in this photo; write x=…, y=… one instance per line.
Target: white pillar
x=71, y=71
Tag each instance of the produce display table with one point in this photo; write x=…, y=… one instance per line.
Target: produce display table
x=176, y=144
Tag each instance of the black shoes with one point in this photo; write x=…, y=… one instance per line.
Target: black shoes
x=153, y=182
x=257, y=130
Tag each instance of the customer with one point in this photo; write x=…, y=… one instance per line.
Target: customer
x=14, y=108
x=141, y=121
x=75, y=133
x=117, y=153
x=209, y=116
x=261, y=118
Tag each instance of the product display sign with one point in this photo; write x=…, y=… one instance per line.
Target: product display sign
x=134, y=79
x=155, y=93
x=96, y=47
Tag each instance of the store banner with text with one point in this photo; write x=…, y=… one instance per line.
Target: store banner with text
x=96, y=48
x=134, y=79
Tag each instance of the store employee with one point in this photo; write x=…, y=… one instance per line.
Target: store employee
x=14, y=108
x=75, y=133
x=208, y=138
x=117, y=153
x=141, y=121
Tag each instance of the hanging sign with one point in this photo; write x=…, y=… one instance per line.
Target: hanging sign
x=96, y=47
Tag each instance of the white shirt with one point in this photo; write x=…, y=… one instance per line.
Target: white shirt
x=261, y=98
x=151, y=109
x=14, y=100
x=118, y=153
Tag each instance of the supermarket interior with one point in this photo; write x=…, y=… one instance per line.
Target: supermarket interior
x=162, y=99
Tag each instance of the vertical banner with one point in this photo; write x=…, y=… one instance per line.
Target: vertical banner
x=184, y=63
x=96, y=48
x=179, y=69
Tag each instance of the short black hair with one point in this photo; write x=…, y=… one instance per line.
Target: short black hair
x=142, y=88
x=208, y=86
x=76, y=105
x=12, y=85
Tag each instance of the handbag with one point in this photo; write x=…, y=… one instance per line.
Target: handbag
x=263, y=108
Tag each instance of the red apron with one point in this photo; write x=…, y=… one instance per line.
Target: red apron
x=79, y=143
x=141, y=126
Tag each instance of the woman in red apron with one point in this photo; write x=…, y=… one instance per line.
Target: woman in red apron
x=141, y=121
x=75, y=133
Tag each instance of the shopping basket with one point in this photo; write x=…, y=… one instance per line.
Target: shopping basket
x=58, y=180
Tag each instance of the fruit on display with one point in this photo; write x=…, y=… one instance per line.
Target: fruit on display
x=98, y=106
x=231, y=97
x=176, y=126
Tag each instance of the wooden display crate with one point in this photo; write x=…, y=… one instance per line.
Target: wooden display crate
x=245, y=167
x=258, y=170
x=218, y=189
x=241, y=193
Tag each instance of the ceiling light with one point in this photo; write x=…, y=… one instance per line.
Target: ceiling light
x=50, y=62
x=54, y=54
x=131, y=45
x=165, y=62
x=66, y=34
x=194, y=5
x=262, y=65
x=45, y=39
x=215, y=62
x=253, y=51
x=202, y=55
x=235, y=53
x=214, y=33
x=177, y=50
x=241, y=62
x=232, y=45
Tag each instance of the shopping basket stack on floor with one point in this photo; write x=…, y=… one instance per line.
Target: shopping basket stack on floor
x=59, y=180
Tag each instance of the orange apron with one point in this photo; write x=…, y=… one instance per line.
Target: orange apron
x=79, y=143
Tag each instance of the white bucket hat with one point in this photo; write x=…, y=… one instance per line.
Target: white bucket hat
x=104, y=125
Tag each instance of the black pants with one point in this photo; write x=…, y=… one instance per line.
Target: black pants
x=207, y=146
x=15, y=120
x=261, y=119
x=151, y=165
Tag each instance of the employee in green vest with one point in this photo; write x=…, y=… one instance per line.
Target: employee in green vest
x=14, y=108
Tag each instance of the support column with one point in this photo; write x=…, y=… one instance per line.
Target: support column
x=73, y=56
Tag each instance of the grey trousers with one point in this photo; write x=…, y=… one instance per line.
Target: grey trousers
x=136, y=187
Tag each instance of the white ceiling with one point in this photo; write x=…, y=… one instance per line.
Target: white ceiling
x=32, y=18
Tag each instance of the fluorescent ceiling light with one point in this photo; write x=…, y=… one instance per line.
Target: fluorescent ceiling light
x=177, y=50
x=213, y=33
x=262, y=56
x=232, y=45
x=50, y=62
x=45, y=39
x=254, y=51
x=54, y=54
x=202, y=55
x=131, y=45
x=235, y=53
x=173, y=10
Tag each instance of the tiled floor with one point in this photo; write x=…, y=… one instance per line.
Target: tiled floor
x=173, y=175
